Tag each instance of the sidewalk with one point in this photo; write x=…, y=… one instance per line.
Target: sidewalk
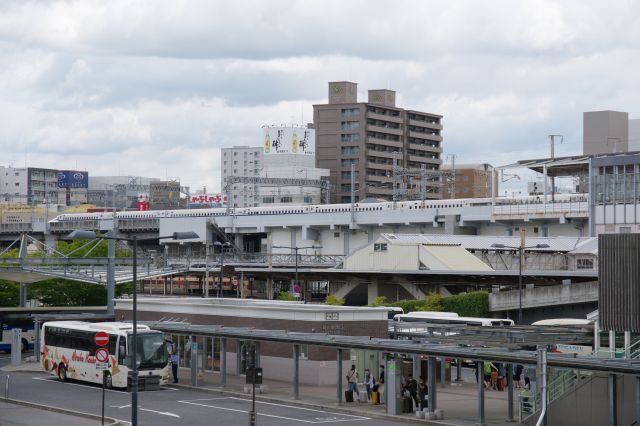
x=458, y=400
x=20, y=413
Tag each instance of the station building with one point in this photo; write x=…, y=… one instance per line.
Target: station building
x=318, y=365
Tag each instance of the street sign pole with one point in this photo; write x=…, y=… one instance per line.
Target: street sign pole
x=104, y=381
x=102, y=357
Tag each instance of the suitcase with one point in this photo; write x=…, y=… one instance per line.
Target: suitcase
x=375, y=398
x=362, y=396
x=348, y=396
x=407, y=404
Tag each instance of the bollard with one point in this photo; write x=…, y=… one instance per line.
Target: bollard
x=6, y=388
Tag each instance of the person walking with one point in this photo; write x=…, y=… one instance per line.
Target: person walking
x=352, y=377
x=173, y=359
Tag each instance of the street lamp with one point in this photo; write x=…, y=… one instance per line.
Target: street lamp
x=91, y=235
x=222, y=246
x=296, y=248
x=520, y=249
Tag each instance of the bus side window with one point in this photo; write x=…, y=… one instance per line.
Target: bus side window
x=111, y=346
x=122, y=350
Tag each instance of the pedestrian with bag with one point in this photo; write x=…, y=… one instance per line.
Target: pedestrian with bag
x=352, y=381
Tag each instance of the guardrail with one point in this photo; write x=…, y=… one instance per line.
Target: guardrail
x=542, y=208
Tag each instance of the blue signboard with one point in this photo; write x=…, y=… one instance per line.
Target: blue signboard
x=73, y=179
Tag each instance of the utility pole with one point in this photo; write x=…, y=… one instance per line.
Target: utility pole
x=553, y=179
x=452, y=184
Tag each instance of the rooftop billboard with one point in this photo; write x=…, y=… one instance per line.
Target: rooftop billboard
x=73, y=179
x=289, y=140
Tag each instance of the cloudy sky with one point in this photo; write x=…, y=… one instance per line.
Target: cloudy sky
x=155, y=88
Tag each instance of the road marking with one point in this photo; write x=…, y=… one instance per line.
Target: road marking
x=316, y=421
x=55, y=380
x=163, y=413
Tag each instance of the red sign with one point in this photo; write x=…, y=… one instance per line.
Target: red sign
x=101, y=338
x=102, y=355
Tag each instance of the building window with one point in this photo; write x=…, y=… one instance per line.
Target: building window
x=350, y=138
x=584, y=263
x=336, y=235
x=624, y=230
x=286, y=199
x=350, y=125
x=308, y=199
x=350, y=150
x=380, y=247
x=349, y=162
x=350, y=112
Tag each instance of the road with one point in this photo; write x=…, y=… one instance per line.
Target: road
x=170, y=406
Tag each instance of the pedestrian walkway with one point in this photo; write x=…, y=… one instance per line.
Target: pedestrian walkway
x=458, y=400
x=19, y=414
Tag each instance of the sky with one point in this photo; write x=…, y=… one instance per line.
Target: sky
x=156, y=88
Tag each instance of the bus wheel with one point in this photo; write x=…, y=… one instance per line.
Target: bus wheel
x=62, y=373
x=25, y=345
x=108, y=381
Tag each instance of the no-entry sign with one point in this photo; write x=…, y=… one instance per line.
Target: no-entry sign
x=101, y=338
x=102, y=355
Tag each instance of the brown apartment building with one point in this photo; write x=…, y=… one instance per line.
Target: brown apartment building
x=371, y=135
x=471, y=181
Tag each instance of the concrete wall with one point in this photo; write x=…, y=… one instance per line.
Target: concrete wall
x=544, y=296
x=605, y=132
x=588, y=405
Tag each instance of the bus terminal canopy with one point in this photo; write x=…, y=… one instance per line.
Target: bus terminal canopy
x=621, y=366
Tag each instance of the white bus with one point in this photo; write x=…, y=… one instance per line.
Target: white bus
x=451, y=318
x=68, y=350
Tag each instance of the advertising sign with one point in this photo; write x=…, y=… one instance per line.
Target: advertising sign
x=73, y=179
x=289, y=140
x=208, y=200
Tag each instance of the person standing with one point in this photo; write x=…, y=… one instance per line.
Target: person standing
x=381, y=384
x=352, y=377
x=369, y=382
x=173, y=358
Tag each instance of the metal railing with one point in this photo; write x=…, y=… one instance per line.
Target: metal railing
x=541, y=208
x=256, y=259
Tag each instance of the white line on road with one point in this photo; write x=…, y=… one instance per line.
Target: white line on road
x=317, y=421
x=163, y=413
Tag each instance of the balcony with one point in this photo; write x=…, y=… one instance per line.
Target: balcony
x=383, y=154
x=425, y=148
x=427, y=136
x=378, y=178
x=383, y=117
x=379, y=191
x=435, y=126
x=379, y=166
x=386, y=142
x=387, y=130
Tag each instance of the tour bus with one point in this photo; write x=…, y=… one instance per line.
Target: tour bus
x=6, y=333
x=451, y=318
x=68, y=351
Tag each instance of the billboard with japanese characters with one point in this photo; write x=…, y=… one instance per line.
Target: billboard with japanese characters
x=208, y=200
x=289, y=140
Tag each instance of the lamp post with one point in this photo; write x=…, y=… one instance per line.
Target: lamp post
x=91, y=235
x=296, y=248
x=222, y=246
x=520, y=249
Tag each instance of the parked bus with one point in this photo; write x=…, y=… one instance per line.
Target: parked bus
x=6, y=333
x=451, y=318
x=68, y=351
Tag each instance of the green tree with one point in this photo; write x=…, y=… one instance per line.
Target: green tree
x=333, y=300
x=59, y=292
x=434, y=302
x=285, y=295
x=9, y=293
x=379, y=301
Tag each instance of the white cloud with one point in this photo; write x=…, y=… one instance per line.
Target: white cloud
x=156, y=88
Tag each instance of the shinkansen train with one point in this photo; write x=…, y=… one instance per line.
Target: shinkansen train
x=320, y=208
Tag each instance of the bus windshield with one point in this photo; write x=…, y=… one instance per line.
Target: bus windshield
x=152, y=350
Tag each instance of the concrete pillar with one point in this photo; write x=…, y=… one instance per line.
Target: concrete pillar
x=223, y=362
x=16, y=346
x=627, y=343
x=416, y=367
x=481, y=416
x=613, y=400
x=346, y=234
x=596, y=337
x=509, y=379
x=194, y=362
x=23, y=295
x=339, y=375
x=269, y=287
x=372, y=291
x=431, y=384
x=443, y=373
x=36, y=343
x=612, y=344
x=459, y=370
x=111, y=275
x=296, y=371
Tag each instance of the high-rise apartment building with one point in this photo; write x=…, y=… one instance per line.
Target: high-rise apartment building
x=241, y=161
x=372, y=135
x=35, y=185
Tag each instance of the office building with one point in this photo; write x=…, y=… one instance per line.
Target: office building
x=120, y=192
x=605, y=132
x=372, y=136
x=35, y=185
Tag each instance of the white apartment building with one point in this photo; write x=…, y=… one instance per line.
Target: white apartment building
x=14, y=185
